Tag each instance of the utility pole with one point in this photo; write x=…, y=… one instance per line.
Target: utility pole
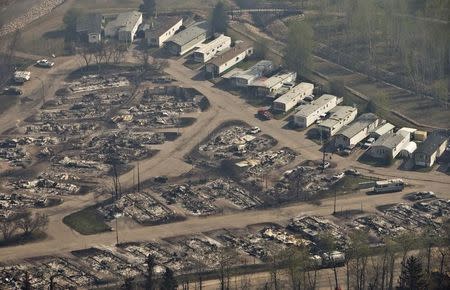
x=323, y=150
x=138, y=178
x=117, y=232
x=334, y=206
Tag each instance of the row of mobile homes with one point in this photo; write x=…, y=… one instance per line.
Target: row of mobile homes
x=161, y=29
x=124, y=26
x=356, y=131
x=247, y=77
x=188, y=39
x=269, y=86
x=308, y=114
x=293, y=97
x=210, y=49
x=389, y=145
x=340, y=116
x=229, y=58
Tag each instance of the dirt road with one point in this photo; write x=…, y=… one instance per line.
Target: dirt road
x=169, y=161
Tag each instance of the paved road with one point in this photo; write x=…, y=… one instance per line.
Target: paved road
x=224, y=106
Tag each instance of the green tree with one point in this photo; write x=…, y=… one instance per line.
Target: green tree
x=298, y=51
x=218, y=20
x=70, y=24
x=261, y=49
x=168, y=281
x=411, y=276
x=148, y=7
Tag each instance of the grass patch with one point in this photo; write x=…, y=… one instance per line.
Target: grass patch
x=187, y=121
x=348, y=184
x=87, y=221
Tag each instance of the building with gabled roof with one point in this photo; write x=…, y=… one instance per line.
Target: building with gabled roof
x=340, y=116
x=161, y=29
x=188, y=39
x=125, y=26
x=356, y=131
x=310, y=113
x=430, y=149
x=388, y=146
x=208, y=50
x=291, y=99
x=229, y=58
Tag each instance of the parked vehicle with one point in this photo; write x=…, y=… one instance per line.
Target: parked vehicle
x=254, y=130
x=324, y=165
x=45, y=63
x=12, y=91
x=368, y=143
x=264, y=114
x=390, y=185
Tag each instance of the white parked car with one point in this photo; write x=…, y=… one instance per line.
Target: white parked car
x=45, y=63
x=254, y=130
x=368, y=143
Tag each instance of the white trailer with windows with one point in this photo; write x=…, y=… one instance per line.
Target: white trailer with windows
x=22, y=76
x=310, y=113
x=210, y=49
x=290, y=99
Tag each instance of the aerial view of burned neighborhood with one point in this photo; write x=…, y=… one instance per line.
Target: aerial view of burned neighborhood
x=225, y=144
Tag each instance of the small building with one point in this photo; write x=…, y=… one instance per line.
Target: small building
x=388, y=146
x=247, y=77
x=408, y=150
x=409, y=132
x=89, y=27
x=430, y=149
x=310, y=113
x=382, y=129
x=291, y=99
x=268, y=87
x=125, y=26
x=340, y=116
x=210, y=49
x=188, y=39
x=356, y=131
x=162, y=29
x=228, y=59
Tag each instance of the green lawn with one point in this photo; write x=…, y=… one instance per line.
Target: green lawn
x=87, y=221
x=349, y=184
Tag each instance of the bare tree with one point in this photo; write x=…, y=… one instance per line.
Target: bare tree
x=8, y=227
x=30, y=224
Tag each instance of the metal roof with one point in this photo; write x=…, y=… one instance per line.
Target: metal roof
x=255, y=71
x=337, y=114
x=358, y=125
x=431, y=144
x=389, y=140
x=306, y=110
x=207, y=47
x=185, y=36
x=294, y=92
x=383, y=129
x=274, y=80
x=161, y=25
x=231, y=53
x=125, y=21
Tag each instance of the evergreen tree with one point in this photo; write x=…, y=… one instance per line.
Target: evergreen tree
x=219, y=19
x=411, y=277
x=149, y=7
x=298, y=51
x=168, y=281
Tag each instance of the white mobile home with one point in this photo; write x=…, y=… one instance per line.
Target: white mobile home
x=356, y=131
x=162, y=29
x=210, y=49
x=125, y=26
x=268, y=87
x=247, y=77
x=310, y=113
x=228, y=59
x=188, y=39
x=430, y=149
x=290, y=99
x=388, y=146
x=340, y=116
x=382, y=129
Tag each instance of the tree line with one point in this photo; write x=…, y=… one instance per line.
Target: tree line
x=22, y=226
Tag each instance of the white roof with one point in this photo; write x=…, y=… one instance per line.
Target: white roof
x=410, y=147
x=294, y=92
x=125, y=21
x=383, y=129
x=389, y=140
x=337, y=114
x=205, y=48
x=306, y=110
x=406, y=131
x=275, y=80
